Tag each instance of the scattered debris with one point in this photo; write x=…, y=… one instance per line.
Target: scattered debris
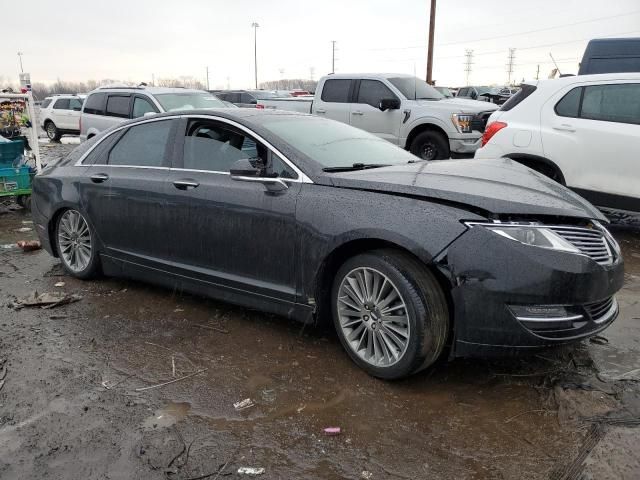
x=246, y=403
x=332, y=431
x=524, y=413
x=268, y=395
x=29, y=245
x=251, y=471
x=221, y=330
x=366, y=475
x=173, y=366
x=60, y=284
x=178, y=310
x=142, y=389
x=599, y=340
x=58, y=317
x=45, y=300
x=23, y=229
x=300, y=409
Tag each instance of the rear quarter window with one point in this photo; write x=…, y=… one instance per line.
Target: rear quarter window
x=118, y=106
x=569, y=105
x=94, y=104
x=524, y=92
x=45, y=103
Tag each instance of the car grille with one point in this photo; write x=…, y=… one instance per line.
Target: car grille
x=589, y=241
x=598, y=311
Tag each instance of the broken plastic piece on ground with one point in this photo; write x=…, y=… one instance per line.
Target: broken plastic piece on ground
x=366, y=475
x=59, y=284
x=29, y=245
x=332, y=431
x=45, y=300
x=246, y=403
x=599, y=340
x=23, y=229
x=251, y=471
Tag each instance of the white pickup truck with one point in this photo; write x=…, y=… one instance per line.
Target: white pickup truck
x=400, y=108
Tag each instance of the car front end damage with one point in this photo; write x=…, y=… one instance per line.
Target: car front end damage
x=518, y=287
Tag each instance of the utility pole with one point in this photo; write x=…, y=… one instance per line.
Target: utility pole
x=153, y=79
x=207, y=78
x=312, y=72
x=538, y=73
x=255, y=26
x=510, y=59
x=333, y=56
x=20, y=57
x=467, y=63
x=432, y=28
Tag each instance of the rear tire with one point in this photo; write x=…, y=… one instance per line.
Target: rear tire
x=76, y=245
x=52, y=131
x=389, y=339
x=430, y=145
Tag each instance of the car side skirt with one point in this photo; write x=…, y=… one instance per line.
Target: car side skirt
x=609, y=200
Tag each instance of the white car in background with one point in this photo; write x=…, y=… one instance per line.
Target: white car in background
x=60, y=115
x=583, y=131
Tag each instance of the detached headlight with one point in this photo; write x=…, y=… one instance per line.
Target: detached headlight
x=462, y=122
x=535, y=235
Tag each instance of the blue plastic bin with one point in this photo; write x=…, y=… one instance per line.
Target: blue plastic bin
x=15, y=181
x=10, y=152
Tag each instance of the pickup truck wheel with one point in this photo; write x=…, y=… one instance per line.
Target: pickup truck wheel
x=52, y=131
x=390, y=313
x=430, y=145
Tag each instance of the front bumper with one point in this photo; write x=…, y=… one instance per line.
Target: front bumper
x=494, y=278
x=464, y=145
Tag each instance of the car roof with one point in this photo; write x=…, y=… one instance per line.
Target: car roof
x=150, y=90
x=370, y=75
x=600, y=77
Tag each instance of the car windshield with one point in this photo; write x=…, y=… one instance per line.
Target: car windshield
x=414, y=88
x=334, y=144
x=188, y=101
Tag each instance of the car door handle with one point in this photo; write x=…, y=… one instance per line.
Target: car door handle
x=357, y=112
x=564, y=127
x=320, y=110
x=185, y=184
x=99, y=177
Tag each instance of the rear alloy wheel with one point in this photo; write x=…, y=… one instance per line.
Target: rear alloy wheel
x=390, y=313
x=430, y=145
x=76, y=246
x=52, y=131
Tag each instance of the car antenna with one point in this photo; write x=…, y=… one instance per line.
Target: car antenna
x=554, y=62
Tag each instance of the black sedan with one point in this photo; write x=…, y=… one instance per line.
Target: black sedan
x=315, y=220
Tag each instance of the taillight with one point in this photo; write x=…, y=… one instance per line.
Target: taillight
x=491, y=130
x=260, y=106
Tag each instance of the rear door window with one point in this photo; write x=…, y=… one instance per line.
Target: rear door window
x=118, y=106
x=45, y=103
x=612, y=103
x=336, y=91
x=61, y=104
x=142, y=145
x=372, y=92
x=94, y=104
x=75, y=104
x=247, y=98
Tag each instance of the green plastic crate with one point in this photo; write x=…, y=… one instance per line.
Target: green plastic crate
x=15, y=181
x=10, y=151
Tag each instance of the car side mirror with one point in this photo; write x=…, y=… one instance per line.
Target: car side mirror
x=389, y=104
x=244, y=168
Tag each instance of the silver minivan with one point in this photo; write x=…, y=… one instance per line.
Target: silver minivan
x=108, y=106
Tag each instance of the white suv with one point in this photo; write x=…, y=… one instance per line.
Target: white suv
x=60, y=115
x=583, y=131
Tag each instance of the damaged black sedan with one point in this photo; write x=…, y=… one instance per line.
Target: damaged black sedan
x=315, y=220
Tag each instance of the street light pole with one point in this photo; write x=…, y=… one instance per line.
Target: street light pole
x=20, y=57
x=255, y=26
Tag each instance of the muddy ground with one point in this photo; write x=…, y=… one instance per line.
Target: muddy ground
x=76, y=402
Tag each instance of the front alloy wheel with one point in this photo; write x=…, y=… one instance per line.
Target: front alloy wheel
x=52, y=131
x=75, y=244
x=373, y=317
x=390, y=313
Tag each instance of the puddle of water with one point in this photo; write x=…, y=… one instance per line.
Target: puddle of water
x=167, y=416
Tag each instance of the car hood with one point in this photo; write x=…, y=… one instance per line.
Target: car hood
x=500, y=187
x=459, y=105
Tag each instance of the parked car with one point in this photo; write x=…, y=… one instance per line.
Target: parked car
x=611, y=55
x=60, y=115
x=582, y=131
x=313, y=219
x=248, y=98
x=497, y=95
x=109, y=106
x=400, y=108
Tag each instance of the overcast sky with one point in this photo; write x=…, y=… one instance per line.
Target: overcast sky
x=131, y=40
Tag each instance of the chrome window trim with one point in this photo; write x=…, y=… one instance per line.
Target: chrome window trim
x=302, y=177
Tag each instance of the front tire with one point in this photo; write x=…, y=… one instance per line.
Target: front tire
x=52, y=131
x=76, y=245
x=390, y=313
x=430, y=145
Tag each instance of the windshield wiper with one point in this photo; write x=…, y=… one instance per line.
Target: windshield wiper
x=355, y=166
